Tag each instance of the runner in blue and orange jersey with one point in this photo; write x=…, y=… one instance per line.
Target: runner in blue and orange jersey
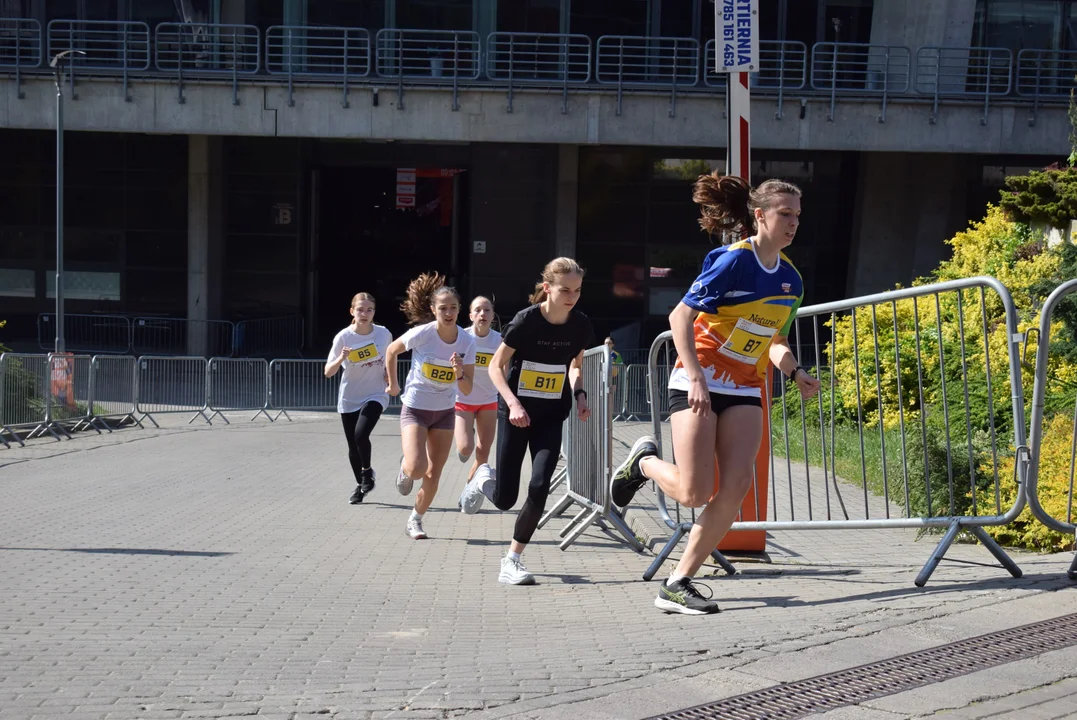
x=728, y=327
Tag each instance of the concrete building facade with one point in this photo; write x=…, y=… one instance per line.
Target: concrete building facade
x=235, y=159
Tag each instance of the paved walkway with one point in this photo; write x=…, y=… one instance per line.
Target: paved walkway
x=219, y=572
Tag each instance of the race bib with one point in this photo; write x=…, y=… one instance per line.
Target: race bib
x=438, y=371
x=544, y=382
x=364, y=354
x=747, y=342
x=482, y=360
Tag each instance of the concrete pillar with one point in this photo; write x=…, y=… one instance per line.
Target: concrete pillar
x=204, y=240
x=568, y=193
x=908, y=205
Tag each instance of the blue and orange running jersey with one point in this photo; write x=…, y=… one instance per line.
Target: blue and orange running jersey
x=742, y=307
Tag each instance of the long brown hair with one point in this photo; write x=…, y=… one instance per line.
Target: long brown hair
x=728, y=203
x=422, y=293
x=554, y=269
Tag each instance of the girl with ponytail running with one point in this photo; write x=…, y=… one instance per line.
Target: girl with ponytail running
x=360, y=350
x=731, y=324
x=479, y=409
x=442, y=367
x=538, y=372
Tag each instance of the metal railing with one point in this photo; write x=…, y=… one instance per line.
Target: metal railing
x=182, y=337
x=317, y=52
x=200, y=49
x=301, y=385
x=963, y=72
x=1054, y=408
x=432, y=55
x=783, y=65
x=860, y=69
x=267, y=337
x=628, y=61
x=237, y=384
x=113, y=391
x=921, y=451
x=1046, y=73
x=538, y=58
x=86, y=333
x=171, y=385
x=24, y=384
x=108, y=45
x=587, y=447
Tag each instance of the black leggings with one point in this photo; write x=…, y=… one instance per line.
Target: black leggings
x=357, y=428
x=544, y=440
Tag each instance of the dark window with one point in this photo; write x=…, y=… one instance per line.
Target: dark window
x=369, y=14
x=434, y=14
x=1021, y=24
x=596, y=18
x=529, y=16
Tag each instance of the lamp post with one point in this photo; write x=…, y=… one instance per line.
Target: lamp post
x=55, y=65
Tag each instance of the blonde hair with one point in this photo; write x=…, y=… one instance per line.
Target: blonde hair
x=477, y=298
x=359, y=297
x=553, y=270
x=422, y=293
x=728, y=203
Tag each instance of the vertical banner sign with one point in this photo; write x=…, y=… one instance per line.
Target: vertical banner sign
x=736, y=53
x=405, y=188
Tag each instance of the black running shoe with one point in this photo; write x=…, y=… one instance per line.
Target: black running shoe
x=357, y=496
x=367, y=484
x=684, y=597
x=628, y=478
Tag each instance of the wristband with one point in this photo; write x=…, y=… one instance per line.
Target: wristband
x=798, y=368
x=576, y=395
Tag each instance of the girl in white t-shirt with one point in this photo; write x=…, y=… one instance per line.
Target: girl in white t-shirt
x=360, y=350
x=480, y=407
x=442, y=366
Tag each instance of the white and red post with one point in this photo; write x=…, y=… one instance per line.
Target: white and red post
x=736, y=54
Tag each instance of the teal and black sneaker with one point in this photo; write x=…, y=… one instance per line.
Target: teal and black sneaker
x=628, y=478
x=684, y=597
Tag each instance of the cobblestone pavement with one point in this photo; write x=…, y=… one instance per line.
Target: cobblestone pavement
x=212, y=572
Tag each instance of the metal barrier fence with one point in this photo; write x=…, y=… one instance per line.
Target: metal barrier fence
x=113, y=391
x=180, y=336
x=237, y=384
x=962, y=72
x=267, y=337
x=1051, y=407
x=587, y=449
x=70, y=398
x=86, y=333
x=897, y=392
x=171, y=385
x=625, y=60
x=301, y=385
x=24, y=382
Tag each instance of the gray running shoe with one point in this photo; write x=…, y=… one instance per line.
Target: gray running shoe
x=514, y=573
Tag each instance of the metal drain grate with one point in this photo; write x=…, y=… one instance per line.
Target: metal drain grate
x=906, y=672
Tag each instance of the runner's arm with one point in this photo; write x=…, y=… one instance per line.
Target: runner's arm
x=575, y=374
x=391, y=353
x=497, y=373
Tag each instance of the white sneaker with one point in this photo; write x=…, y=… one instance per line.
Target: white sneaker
x=487, y=480
x=404, y=484
x=415, y=529
x=514, y=573
x=471, y=498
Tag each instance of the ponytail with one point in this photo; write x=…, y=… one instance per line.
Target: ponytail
x=554, y=269
x=728, y=203
x=422, y=292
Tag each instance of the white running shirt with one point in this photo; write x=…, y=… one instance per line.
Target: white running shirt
x=483, y=391
x=362, y=374
x=431, y=383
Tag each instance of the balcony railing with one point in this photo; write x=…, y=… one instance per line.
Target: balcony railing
x=538, y=58
x=783, y=66
x=624, y=60
x=339, y=55
x=1046, y=74
x=328, y=52
x=20, y=43
x=429, y=55
x=102, y=45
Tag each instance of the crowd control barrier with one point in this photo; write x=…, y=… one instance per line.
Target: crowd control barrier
x=587, y=449
x=171, y=385
x=921, y=465
x=112, y=389
x=236, y=385
x=301, y=385
x=1054, y=404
